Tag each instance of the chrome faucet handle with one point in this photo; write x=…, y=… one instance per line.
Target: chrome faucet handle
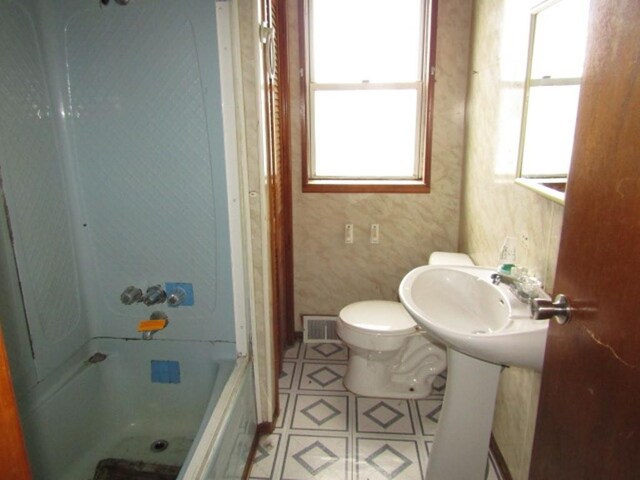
x=154, y=295
x=131, y=295
x=176, y=297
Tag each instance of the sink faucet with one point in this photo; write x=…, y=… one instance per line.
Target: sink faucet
x=524, y=286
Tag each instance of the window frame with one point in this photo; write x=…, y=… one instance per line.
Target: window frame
x=420, y=183
x=551, y=185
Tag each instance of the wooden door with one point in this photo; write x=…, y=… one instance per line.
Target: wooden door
x=14, y=464
x=278, y=174
x=589, y=415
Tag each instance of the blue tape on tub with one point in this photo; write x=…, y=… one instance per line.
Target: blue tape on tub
x=169, y=287
x=165, y=371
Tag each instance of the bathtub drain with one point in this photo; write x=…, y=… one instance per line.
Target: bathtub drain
x=159, y=446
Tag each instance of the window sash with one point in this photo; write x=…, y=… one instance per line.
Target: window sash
x=419, y=86
x=419, y=182
x=422, y=56
x=419, y=146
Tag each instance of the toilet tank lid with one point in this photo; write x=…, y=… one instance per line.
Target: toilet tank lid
x=450, y=258
x=379, y=316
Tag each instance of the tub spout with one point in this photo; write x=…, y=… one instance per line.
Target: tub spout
x=157, y=322
x=148, y=335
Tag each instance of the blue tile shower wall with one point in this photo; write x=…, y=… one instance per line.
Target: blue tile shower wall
x=33, y=184
x=147, y=128
x=112, y=163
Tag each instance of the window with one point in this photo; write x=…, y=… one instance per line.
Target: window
x=367, y=96
x=556, y=57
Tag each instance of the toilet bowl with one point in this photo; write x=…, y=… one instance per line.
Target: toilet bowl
x=389, y=355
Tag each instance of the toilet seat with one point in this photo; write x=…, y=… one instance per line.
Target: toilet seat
x=378, y=317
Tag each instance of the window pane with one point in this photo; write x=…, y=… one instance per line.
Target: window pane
x=369, y=133
x=560, y=40
x=551, y=120
x=365, y=40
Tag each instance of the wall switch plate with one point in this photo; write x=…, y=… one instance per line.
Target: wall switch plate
x=374, y=235
x=348, y=233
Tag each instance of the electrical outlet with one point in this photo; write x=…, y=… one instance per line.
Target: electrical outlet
x=524, y=242
x=374, y=236
x=348, y=233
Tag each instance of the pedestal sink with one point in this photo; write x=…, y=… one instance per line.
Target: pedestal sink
x=484, y=326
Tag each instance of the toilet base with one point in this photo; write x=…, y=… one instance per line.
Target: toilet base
x=407, y=373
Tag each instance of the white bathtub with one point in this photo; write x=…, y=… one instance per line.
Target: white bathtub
x=85, y=412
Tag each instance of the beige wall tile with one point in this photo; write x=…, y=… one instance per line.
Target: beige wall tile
x=262, y=338
x=493, y=207
x=330, y=274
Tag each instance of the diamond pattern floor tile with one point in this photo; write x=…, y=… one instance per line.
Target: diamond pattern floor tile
x=314, y=412
x=387, y=459
x=318, y=376
x=325, y=432
x=316, y=457
x=285, y=382
x=380, y=415
x=326, y=352
x=265, y=457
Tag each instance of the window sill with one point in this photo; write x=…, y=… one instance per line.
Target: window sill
x=365, y=186
x=548, y=188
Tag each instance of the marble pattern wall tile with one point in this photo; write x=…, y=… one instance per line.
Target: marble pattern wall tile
x=493, y=207
x=262, y=338
x=329, y=274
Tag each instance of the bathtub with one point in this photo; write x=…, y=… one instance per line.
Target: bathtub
x=120, y=405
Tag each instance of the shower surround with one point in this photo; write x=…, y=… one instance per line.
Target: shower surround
x=112, y=164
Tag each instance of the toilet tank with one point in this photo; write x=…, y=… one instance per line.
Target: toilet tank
x=450, y=258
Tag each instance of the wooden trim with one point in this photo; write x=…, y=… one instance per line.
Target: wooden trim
x=285, y=136
x=501, y=464
x=14, y=463
x=261, y=429
x=302, y=106
x=264, y=428
x=347, y=186
x=431, y=86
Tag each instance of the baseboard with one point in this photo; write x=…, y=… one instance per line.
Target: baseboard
x=262, y=429
x=501, y=464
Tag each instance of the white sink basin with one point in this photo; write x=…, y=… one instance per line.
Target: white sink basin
x=464, y=310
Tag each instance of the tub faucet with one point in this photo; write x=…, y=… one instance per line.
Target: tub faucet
x=155, y=294
x=158, y=321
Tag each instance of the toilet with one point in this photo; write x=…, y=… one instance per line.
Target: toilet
x=389, y=355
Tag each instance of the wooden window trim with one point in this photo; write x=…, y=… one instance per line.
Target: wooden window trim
x=422, y=185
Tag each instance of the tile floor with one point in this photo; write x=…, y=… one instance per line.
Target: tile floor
x=327, y=432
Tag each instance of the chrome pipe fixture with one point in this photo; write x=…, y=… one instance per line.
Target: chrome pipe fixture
x=154, y=295
x=157, y=315
x=176, y=297
x=524, y=286
x=131, y=295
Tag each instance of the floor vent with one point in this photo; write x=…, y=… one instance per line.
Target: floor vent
x=320, y=329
